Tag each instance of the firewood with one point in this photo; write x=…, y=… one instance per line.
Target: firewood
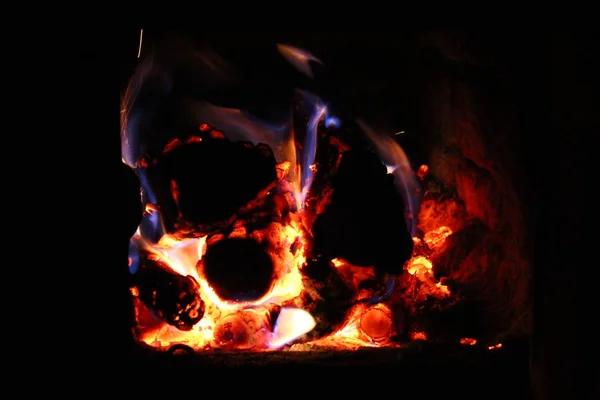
x=175, y=299
x=326, y=297
x=237, y=269
x=242, y=330
x=377, y=324
x=200, y=170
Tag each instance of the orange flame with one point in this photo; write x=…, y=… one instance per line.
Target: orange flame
x=364, y=326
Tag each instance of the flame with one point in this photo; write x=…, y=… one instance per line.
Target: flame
x=240, y=125
x=290, y=325
x=398, y=165
x=247, y=325
x=494, y=347
x=299, y=58
x=468, y=341
x=437, y=236
x=182, y=256
x=421, y=267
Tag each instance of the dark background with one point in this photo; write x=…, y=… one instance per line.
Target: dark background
x=549, y=71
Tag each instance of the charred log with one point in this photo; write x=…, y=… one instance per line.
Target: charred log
x=238, y=269
x=242, y=330
x=175, y=299
x=377, y=324
x=364, y=224
x=326, y=297
x=216, y=177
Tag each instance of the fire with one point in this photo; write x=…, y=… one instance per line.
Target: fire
x=244, y=325
x=284, y=315
x=422, y=268
x=468, y=341
x=436, y=237
x=182, y=257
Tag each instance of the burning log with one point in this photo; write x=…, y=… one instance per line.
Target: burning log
x=364, y=223
x=242, y=331
x=175, y=299
x=237, y=269
x=199, y=170
x=376, y=322
x=326, y=297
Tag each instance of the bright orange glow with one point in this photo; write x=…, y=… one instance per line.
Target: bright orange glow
x=494, y=347
x=281, y=317
x=244, y=326
x=436, y=237
x=422, y=172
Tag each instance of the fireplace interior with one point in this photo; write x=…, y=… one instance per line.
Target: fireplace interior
x=350, y=201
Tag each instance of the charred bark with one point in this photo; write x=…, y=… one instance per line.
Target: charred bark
x=175, y=299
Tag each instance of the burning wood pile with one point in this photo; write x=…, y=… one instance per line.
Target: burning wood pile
x=311, y=237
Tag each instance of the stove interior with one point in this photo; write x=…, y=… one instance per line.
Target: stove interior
x=335, y=218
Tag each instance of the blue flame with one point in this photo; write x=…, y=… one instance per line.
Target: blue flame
x=332, y=122
x=310, y=149
x=393, y=156
x=148, y=87
x=240, y=125
x=134, y=256
x=390, y=285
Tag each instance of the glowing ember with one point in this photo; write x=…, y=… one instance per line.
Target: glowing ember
x=241, y=331
x=422, y=172
x=376, y=323
x=436, y=237
x=468, y=341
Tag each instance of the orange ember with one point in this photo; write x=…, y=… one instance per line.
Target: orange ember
x=422, y=172
x=248, y=325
